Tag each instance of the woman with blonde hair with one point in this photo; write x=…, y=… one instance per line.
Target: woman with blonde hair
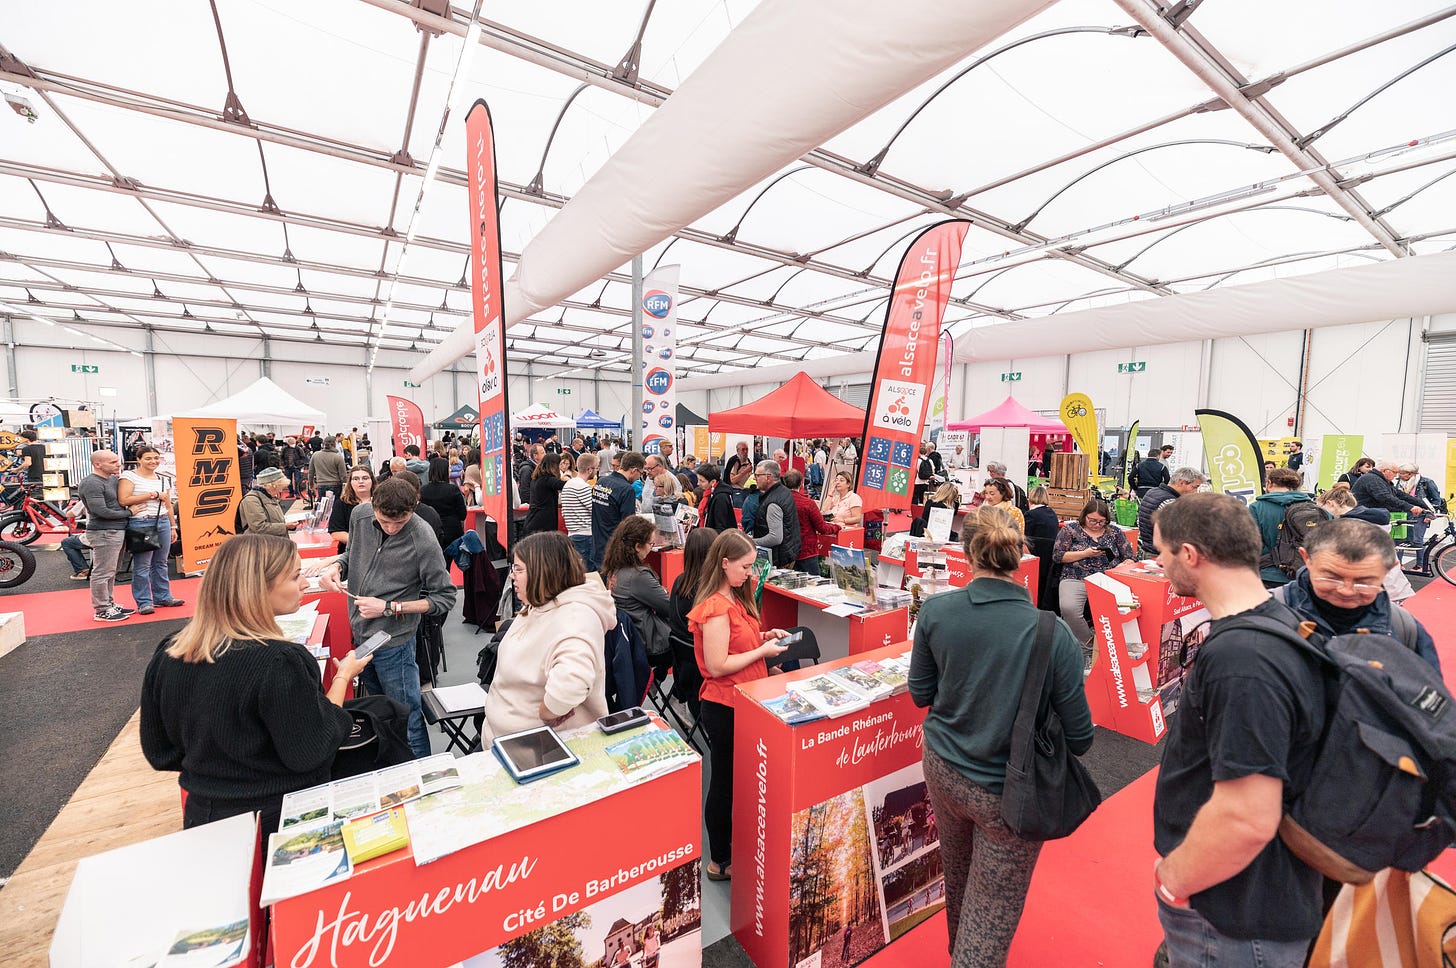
x=731, y=648
x=234, y=706
x=968, y=665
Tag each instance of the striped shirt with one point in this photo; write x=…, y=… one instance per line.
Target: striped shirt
x=576, y=507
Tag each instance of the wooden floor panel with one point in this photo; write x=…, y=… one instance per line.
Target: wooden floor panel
x=122, y=801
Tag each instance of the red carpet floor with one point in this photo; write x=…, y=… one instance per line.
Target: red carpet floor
x=1091, y=901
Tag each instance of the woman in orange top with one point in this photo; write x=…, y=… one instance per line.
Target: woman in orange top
x=730, y=648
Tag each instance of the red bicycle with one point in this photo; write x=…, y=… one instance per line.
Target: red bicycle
x=24, y=518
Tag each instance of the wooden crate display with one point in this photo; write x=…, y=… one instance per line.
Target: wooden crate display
x=1067, y=501
x=1069, y=470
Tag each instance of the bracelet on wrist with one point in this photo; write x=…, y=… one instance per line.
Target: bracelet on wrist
x=1167, y=896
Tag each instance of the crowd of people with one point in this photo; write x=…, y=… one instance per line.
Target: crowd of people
x=217, y=694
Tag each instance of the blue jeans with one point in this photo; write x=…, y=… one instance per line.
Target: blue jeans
x=393, y=673
x=71, y=545
x=583, y=545
x=1194, y=943
x=149, y=582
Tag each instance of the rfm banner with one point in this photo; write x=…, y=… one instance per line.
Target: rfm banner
x=905, y=366
x=659, y=346
x=208, y=488
x=490, y=331
x=406, y=423
x=1235, y=465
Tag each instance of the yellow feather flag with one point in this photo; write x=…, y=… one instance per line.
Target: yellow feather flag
x=1077, y=413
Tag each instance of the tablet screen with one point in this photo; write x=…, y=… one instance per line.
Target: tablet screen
x=533, y=750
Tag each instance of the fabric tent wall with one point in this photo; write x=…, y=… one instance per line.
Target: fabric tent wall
x=700, y=149
x=1418, y=286
x=264, y=403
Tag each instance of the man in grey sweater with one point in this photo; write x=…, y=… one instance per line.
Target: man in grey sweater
x=395, y=575
x=106, y=528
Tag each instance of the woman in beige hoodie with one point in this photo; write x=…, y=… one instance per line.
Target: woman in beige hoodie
x=552, y=667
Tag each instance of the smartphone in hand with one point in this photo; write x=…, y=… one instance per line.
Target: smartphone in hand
x=370, y=644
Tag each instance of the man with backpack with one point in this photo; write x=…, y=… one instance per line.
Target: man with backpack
x=1245, y=737
x=1285, y=516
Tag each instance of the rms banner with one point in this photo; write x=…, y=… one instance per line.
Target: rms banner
x=905, y=366
x=659, y=347
x=208, y=486
x=1235, y=464
x=1077, y=413
x=485, y=303
x=406, y=423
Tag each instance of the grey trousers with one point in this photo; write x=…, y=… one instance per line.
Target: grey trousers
x=1072, y=597
x=105, y=554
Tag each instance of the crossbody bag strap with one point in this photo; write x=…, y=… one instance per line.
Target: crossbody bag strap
x=1036, y=673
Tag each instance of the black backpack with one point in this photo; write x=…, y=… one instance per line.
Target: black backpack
x=1380, y=792
x=378, y=738
x=1300, y=518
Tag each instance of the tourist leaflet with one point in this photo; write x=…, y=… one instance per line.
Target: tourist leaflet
x=360, y=796
x=831, y=696
x=793, y=708
x=305, y=859
x=649, y=751
x=366, y=838
x=840, y=691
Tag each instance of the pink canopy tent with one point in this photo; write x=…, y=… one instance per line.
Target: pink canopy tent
x=1012, y=414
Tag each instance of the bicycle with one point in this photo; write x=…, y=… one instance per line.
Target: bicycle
x=1436, y=555
x=17, y=564
x=23, y=518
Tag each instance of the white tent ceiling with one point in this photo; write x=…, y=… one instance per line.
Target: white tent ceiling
x=257, y=172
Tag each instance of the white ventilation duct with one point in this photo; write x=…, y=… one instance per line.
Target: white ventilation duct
x=1416, y=286
x=792, y=75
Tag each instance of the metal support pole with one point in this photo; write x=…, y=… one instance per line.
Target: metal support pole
x=265, y=362
x=636, y=350
x=597, y=391
x=530, y=384
x=368, y=387
x=11, y=370
x=149, y=357
x=1306, y=345
x=1205, y=374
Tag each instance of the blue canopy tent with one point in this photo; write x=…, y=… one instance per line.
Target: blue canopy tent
x=589, y=420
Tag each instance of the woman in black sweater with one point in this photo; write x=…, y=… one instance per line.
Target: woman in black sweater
x=234, y=707
x=447, y=501
x=546, y=485
x=1042, y=526
x=686, y=677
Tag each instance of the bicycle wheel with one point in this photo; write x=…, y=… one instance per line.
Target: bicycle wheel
x=19, y=529
x=1444, y=559
x=17, y=564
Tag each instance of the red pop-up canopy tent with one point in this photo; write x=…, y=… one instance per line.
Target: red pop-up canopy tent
x=798, y=409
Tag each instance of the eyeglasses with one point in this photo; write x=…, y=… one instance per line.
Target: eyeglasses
x=518, y=569
x=1344, y=582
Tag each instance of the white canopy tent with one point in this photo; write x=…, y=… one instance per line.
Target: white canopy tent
x=1107, y=152
x=540, y=415
x=262, y=404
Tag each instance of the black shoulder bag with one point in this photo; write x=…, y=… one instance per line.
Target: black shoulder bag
x=139, y=541
x=1048, y=792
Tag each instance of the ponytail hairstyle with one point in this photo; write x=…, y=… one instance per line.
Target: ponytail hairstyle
x=992, y=541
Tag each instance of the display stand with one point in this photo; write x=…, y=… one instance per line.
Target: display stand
x=834, y=844
x=667, y=563
x=192, y=895
x=892, y=571
x=314, y=544
x=526, y=879
x=839, y=636
x=1144, y=636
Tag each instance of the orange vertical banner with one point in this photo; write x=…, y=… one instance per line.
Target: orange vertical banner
x=490, y=330
x=905, y=365
x=406, y=423
x=208, y=486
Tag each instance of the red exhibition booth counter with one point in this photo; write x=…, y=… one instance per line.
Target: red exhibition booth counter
x=314, y=544
x=838, y=635
x=957, y=569
x=509, y=860
x=835, y=848
x=1143, y=637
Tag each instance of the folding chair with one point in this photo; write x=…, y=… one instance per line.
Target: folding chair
x=683, y=679
x=457, y=725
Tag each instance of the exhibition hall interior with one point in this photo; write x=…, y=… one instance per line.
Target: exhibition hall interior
x=715, y=483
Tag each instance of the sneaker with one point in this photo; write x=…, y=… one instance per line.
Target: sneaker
x=112, y=614
x=120, y=608
x=83, y=575
x=145, y=610
x=171, y=603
